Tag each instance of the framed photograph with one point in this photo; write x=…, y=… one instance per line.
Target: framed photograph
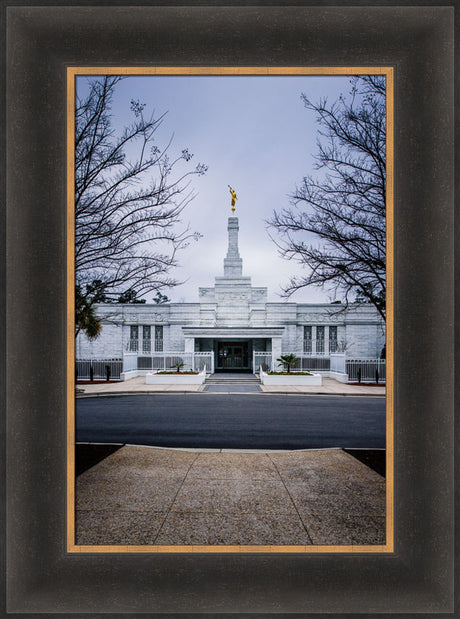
x=307, y=489
x=110, y=526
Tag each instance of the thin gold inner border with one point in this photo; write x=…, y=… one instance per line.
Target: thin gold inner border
x=72, y=72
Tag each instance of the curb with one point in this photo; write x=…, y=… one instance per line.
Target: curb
x=206, y=393
x=234, y=449
x=116, y=393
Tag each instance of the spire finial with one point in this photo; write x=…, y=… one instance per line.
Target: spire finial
x=234, y=197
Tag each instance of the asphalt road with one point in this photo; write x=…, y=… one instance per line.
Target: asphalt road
x=237, y=422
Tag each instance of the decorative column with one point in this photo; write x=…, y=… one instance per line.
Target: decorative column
x=189, y=344
x=276, y=351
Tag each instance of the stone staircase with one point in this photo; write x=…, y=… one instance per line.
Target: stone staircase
x=232, y=379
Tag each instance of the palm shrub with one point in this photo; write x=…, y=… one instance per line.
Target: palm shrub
x=287, y=361
x=178, y=366
x=86, y=319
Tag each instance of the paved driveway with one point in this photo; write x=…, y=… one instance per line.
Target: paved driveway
x=241, y=421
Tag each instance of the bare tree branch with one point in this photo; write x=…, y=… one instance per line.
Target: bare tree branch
x=345, y=206
x=129, y=199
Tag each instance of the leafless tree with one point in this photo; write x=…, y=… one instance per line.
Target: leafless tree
x=129, y=198
x=344, y=345
x=335, y=224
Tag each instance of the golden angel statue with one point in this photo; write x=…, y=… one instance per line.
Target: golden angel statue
x=234, y=197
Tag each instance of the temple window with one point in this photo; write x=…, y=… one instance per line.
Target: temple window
x=333, y=339
x=158, y=338
x=320, y=340
x=307, y=339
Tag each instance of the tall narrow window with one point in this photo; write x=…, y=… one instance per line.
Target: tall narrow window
x=320, y=340
x=307, y=339
x=146, y=338
x=158, y=338
x=134, y=338
x=333, y=339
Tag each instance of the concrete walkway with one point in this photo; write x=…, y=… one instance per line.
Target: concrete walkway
x=137, y=385
x=161, y=497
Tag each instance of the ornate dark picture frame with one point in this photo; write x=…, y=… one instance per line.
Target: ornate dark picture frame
x=41, y=43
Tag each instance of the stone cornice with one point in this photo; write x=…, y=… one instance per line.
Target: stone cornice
x=249, y=332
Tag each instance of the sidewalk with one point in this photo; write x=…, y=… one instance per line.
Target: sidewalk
x=161, y=497
x=137, y=385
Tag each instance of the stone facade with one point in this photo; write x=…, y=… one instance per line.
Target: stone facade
x=234, y=315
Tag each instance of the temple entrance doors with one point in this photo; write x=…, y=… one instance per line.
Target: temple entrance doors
x=233, y=357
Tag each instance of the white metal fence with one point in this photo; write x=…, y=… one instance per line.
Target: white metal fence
x=98, y=369
x=129, y=363
x=338, y=363
x=204, y=360
x=366, y=370
x=195, y=361
x=358, y=370
x=307, y=363
x=310, y=363
x=304, y=363
x=261, y=359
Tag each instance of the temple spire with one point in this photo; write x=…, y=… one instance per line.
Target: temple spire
x=233, y=264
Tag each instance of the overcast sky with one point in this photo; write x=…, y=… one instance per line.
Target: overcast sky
x=254, y=134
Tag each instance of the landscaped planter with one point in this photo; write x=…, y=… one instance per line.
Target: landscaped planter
x=176, y=378
x=291, y=379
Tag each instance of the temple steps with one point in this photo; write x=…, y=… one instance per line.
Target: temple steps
x=232, y=379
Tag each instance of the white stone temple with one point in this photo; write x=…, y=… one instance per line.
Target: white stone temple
x=234, y=322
